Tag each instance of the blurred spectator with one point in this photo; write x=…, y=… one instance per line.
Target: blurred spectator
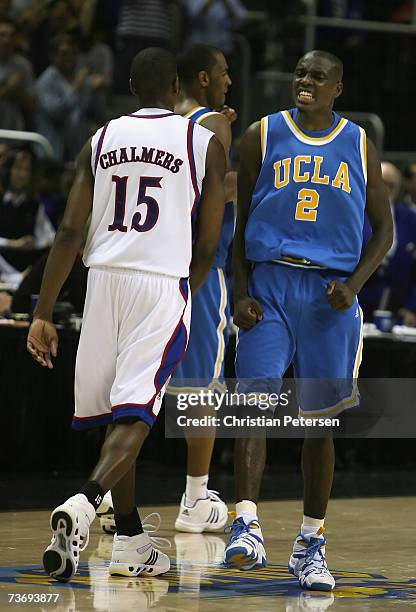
x=16, y=81
x=409, y=185
x=65, y=97
x=97, y=57
x=10, y=276
x=211, y=22
x=49, y=189
x=23, y=222
x=7, y=9
x=142, y=23
x=5, y=302
x=42, y=21
x=392, y=286
x=73, y=290
x=4, y=156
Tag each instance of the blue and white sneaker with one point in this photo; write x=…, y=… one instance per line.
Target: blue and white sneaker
x=245, y=548
x=308, y=563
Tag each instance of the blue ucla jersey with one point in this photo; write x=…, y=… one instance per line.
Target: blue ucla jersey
x=227, y=231
x=309, y=200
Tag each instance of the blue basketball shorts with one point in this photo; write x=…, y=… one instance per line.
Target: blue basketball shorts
x=203, y=364
x=300, y=327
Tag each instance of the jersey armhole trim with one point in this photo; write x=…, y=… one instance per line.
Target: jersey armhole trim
x=201, y=119
x=192, y=165
x=191, y=112
x=263, y=136
x=100, y=146
x=363, y=152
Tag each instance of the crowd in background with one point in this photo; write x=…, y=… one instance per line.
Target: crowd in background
x=64, y=68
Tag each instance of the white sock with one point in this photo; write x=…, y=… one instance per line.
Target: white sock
x=196, y=488
x=310, y=526
x=247, y=509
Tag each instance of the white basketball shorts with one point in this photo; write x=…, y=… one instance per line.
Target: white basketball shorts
x=134, y=333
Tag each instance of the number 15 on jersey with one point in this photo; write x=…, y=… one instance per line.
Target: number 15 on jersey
x=139, y=222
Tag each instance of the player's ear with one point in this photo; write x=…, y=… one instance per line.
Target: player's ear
x=133, y=91
x=203, y=78
x=339, y=89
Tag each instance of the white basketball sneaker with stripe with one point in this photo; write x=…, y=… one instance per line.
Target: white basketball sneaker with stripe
x=245, y=548
x=134, y=555
x=308, y=562
x=105, y=512
x=70, y=525
x=208, y=514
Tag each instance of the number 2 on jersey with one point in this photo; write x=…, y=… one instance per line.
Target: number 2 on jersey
x=307, y=204
x=137, y=223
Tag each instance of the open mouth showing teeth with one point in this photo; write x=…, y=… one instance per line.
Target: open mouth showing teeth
x=306, y=95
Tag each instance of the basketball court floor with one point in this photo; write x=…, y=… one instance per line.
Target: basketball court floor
x=371, y=551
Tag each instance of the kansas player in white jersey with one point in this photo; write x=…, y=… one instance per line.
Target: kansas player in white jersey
x=204, y=82
x=140, y=177
x=306, y=177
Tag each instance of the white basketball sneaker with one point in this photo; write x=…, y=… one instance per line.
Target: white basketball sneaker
x=138, y=594
x=199, y=550
x=105, y=513
x=208, y=514
x=245, y=548
x=308, y=562
x=310, y=601
x=70, y=525
x=134, y=555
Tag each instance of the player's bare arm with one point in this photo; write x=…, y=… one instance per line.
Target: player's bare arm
x=210, y=216
x=247, y=311
x=341, y=295
x=221, y=126
x=42, y=340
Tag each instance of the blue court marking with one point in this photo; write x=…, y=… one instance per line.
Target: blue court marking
x=217, y=582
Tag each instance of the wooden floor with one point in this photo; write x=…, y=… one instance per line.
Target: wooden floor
x=371, y=550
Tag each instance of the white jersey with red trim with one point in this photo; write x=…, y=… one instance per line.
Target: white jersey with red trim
x=148, y=168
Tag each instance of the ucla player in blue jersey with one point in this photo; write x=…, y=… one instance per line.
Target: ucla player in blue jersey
x=204, y=82
x=306, y=177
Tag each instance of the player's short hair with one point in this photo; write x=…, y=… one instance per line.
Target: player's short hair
x=334, y=59
x=152, y=72
x=194, y=59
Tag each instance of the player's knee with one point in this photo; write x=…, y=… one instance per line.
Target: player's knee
x=126, y=437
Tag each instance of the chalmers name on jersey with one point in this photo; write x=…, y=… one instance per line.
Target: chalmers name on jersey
x=148, y=168
x=309, y=200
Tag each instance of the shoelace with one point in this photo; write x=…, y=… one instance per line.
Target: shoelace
x=310, y=553
x=156, y=541
x=236, y=529
x=214, y=495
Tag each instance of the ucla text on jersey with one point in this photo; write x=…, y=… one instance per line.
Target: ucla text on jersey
x=309, y=200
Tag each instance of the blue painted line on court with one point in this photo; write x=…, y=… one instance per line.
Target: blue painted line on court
x=216, y=582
